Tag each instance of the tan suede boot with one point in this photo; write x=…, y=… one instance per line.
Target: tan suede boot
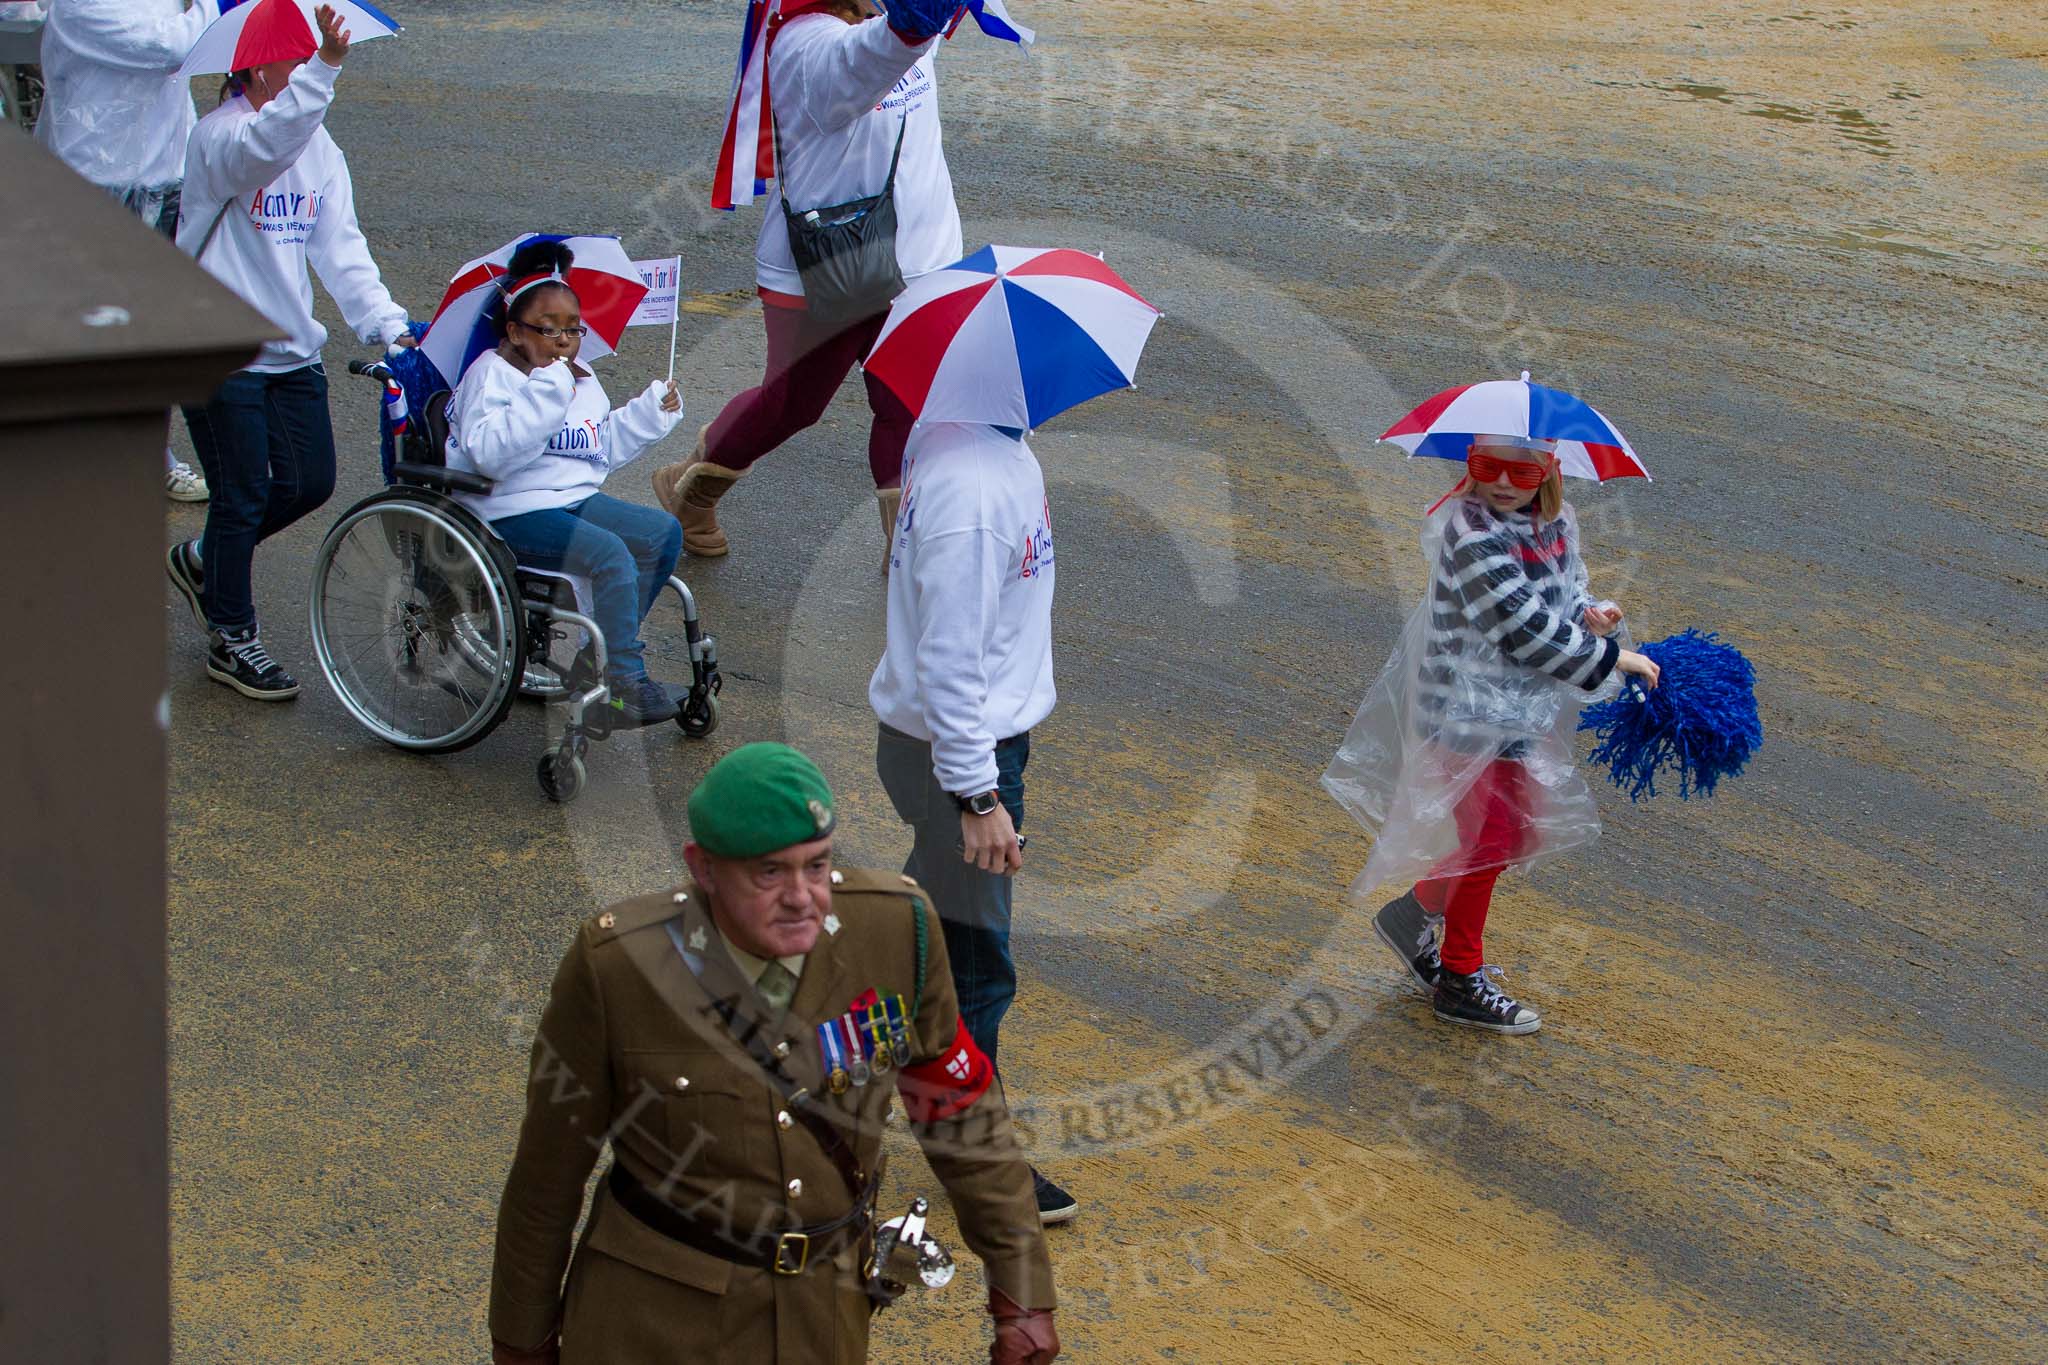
x=690, y=491
x=888, y=500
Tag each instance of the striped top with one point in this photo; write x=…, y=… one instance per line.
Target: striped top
x=1506, y=600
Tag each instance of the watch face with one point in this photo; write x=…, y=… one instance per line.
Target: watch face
x=983, y=803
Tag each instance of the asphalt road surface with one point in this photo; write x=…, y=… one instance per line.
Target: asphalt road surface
x=1787, y=1100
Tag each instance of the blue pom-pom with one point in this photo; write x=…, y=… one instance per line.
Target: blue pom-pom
x=1699, y=721
x=419, y=378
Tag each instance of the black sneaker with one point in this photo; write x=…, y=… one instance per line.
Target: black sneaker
x=239, y=659
x=641, y=701
x=186, y=574
x=1476, y=1002
x=1404, y=926
x=1055, y=1205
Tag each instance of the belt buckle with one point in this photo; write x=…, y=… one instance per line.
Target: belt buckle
x=792, y=1253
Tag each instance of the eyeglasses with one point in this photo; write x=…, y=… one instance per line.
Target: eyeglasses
x=557, y=333
x=1521, y=473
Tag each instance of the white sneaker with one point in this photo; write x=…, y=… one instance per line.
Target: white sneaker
x=186, y=484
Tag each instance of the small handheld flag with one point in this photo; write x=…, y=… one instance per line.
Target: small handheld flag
x=746, y=154
x=996, y=22
x=397, y=413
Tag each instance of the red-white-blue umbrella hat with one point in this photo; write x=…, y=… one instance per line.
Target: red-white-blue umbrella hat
x=1588, y=445
x=608, y=288
x=277, y=31
x=1011, y=336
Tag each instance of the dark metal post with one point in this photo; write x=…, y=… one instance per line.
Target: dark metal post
x=108, y=327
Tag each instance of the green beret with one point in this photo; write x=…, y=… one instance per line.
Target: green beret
x=760, y=798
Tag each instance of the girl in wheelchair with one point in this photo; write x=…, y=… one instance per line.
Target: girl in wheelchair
x=531, y=418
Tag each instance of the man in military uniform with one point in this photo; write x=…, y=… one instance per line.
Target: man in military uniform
x=738, y=1043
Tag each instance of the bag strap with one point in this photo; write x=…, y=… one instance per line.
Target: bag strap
x=802, y=1104
x=902, y=126
x=782, y=162
x=214, y=226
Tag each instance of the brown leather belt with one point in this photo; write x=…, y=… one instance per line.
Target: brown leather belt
x=788, y=1253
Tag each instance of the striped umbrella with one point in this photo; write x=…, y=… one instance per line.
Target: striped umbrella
x=607, y=285
x=1588, y=445
x=1011, y=336
x=277, y=31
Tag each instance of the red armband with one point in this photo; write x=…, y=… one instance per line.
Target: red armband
x=949, y=1084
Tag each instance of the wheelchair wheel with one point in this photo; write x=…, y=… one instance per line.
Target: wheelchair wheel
x=415, y=623
x=698, y=716
x=562, y=776
x=551, y=651
x=545, y=676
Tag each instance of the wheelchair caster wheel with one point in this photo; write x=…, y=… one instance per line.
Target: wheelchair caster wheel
x=561, y=776
x=698, y=717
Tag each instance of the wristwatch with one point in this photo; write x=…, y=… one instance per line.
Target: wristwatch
x=983, y=803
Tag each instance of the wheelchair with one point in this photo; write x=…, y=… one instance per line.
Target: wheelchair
x=427, y=628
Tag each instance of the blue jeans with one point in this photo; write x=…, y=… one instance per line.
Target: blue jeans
x=626, y=551
x=267, y=447
x=973, y=906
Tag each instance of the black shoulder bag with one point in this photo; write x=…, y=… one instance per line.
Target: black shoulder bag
x=845, y=253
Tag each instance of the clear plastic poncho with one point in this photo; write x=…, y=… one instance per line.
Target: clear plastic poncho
x=114, y=109
x=1418, y=767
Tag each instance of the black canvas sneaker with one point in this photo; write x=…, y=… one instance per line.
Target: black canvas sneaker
x=181, y=563
x=1476, y=1002
x=1055, y=1205
x=239, y=659
x=1404, y=926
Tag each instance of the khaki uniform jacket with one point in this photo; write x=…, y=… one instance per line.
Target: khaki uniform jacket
x=632, y=1054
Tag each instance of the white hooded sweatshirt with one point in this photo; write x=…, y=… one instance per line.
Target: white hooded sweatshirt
x=969, y=653
x=549, y=438
x=114, y=109
x=288, y=204
x=841, y=92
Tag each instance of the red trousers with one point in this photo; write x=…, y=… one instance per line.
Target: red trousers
x=806, y=366
x=1493, y=831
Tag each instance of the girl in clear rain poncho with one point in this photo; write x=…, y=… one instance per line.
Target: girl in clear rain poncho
x=1460, y=759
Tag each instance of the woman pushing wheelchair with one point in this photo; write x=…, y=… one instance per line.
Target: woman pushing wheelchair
x=537, y=422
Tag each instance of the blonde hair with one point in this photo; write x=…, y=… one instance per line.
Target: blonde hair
x=1550, y=494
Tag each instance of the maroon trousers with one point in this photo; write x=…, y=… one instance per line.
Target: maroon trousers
x=806, y=366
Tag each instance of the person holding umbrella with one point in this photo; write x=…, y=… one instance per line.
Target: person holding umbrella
x=537, y=422
x=854, y=125
x=268, y=195
x=982, y=350
x=1460, y=760
x=116, y=111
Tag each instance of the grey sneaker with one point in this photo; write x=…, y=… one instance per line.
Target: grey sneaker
x=239, y=659
x=185, y=484
x=1404, y=926
x=1475, y=1002
x=642, y=701
x=186, y=573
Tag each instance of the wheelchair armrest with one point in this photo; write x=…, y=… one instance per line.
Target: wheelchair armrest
x=442, y=478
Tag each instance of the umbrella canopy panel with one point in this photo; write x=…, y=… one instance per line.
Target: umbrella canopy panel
x=607, y=284
x=1588, y=445
x=1011, y=336
x=277, y=31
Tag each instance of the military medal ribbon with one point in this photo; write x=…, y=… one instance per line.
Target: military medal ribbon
x=835, y=1056
x=857, y=1058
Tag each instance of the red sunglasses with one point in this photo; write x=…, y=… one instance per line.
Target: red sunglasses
x=1521, y=473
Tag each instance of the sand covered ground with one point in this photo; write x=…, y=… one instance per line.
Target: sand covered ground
x=1787, y=1103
